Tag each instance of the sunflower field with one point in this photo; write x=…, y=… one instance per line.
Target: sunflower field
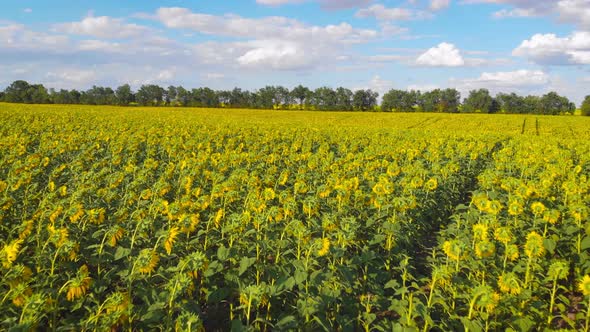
x=133, y=219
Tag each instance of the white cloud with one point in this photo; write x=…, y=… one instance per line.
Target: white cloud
x=102, y=27
x=513, y=78
x=576, y=11
x=549, y=49
x=519, y=81
x=79, y=77
x=436, y=5
x=276, y=55
x=18, y=37
x=566, y=11
x=383, y=13
x=377, y=84
x=274, y=27
x=28, y=10
x=443, y=55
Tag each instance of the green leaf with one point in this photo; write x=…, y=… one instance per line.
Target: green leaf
x=222, y=253
x=245, y=263
x=585, y=243
x=286, y=323
x=122, y=253
x=300, y=277
x=550, y=245
x=393, y=284
x=236, y=326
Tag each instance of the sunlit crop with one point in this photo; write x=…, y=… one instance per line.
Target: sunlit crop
x=165, y=219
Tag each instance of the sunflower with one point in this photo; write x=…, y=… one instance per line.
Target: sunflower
x=20, y=293
x=512, y=252
x=558, y=270
x=218, y=217
x=147, y=261
x=325, y=247
x=534, y=245
x=551, y=216
x=78, y=214
x=480, y=232
x=503, y=234
x=515, y=208
x=584, y=285
x=509, y=283
x=453, y=249
x=116, y=234
x=481, y=201
x=171, y=238
x=484, y=249
x=494, y=207
x=268, y=194
x=538, y=208
x=78, y=286
x=10, y=252
x=431, y=184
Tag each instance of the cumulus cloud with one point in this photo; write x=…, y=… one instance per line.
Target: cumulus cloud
x=274, y=27
x=276, y=43
x=276, y=55
x=101, y=27
x=443, y=55
x=549, y=49
x=18, y=37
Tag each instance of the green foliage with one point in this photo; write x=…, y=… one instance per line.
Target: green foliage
x=585, y=108
x=479, y=101
x=114, y=219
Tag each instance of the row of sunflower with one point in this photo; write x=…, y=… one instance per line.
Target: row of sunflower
x=113, y=220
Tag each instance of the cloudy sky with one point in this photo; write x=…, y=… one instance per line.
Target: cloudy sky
x=523, y=46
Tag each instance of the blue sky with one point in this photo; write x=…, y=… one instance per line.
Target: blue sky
x=523, y=46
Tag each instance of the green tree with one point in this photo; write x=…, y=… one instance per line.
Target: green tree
x=282, y=98
x=511, y=103
x=170, y=95
x=301, y=94
x=324, y=99
x=183, y=96
x=17, y=92
x=399, y=101
x=478, y=101
x=124, y=95
x=150, y=95
x=586, y=106
x=344, y=99
x=429, y=100
x=553, y=104
x=265, y=97
x=364, y=100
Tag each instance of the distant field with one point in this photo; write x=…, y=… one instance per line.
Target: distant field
x=190, y=219
x=561, y=126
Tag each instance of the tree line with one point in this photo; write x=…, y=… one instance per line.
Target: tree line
x=300, y=97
